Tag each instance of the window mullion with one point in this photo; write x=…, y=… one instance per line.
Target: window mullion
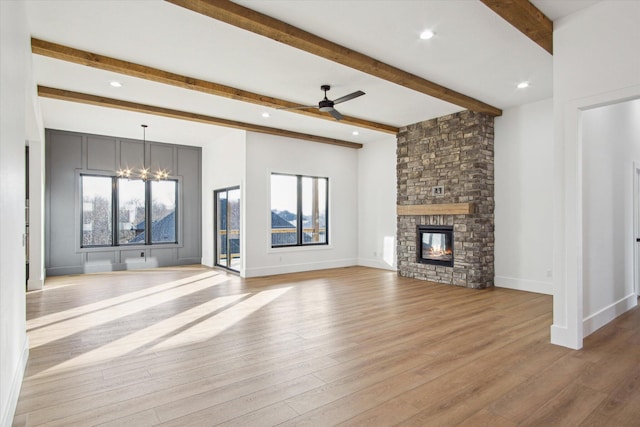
x=147, y=212
x=299, y=207
x=326, y=211
x=115, y=209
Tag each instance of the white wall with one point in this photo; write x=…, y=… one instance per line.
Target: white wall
x=14, y=68
x=266, y=154
x=36, y=142
x=596, y=61
x=610, y=145
x=223, y=165
x=377, y=204
x=36, y=213
x=523, y=197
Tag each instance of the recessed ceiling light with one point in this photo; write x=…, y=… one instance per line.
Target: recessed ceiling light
x=427, y=34
x=266, y=115
x=115, y=83
x=355, y=133
x=523, y=85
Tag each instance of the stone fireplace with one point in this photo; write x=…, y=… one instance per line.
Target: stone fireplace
x=445, y=181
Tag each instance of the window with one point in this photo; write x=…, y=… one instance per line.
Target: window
x=97, y=211
x=163, y=211
x=119, y=209
x=299, y=210
x=131, y=210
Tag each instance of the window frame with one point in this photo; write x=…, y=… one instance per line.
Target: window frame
x=115, y=210
x=149, y=214
x=81, y=213
x=299, y=213
x=117, y=192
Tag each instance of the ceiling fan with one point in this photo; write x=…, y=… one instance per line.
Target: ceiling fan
x=326, y=105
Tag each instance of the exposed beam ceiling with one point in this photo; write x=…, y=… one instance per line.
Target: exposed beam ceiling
x=250, y=20
x=527, y=18
x=65, y=53
x=66, y=95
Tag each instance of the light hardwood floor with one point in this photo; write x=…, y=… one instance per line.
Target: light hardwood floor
x=352, y=346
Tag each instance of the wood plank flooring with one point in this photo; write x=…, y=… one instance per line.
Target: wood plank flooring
x=191, y=346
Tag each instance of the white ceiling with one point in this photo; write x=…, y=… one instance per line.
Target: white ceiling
x=474, y=52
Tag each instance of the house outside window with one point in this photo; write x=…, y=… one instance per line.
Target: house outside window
x=299, y=210
x=116, y=211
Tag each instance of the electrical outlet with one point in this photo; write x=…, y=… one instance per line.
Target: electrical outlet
x=548, y=273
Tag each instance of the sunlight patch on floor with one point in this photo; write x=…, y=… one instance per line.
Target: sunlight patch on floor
x=220, y=322
x=95, y=314
x=144, y=337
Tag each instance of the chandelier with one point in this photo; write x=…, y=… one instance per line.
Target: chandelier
x=143, y=174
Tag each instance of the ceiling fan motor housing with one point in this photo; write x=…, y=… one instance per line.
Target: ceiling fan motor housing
x=325, y=105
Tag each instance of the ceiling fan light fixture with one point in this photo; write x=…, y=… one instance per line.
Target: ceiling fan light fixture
x=326, y=105
x=427, y=34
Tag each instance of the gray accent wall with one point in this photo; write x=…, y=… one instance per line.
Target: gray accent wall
x=70, y=154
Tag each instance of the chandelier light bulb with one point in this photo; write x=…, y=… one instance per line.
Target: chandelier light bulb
x=427, y=34
x=144, y=174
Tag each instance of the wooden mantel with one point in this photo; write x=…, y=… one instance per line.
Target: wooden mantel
x=436, y=209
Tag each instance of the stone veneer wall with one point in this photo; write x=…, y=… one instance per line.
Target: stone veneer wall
x=455, y=151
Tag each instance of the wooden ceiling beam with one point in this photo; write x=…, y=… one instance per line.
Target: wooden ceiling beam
x=66, y=95
x=250, y=20
x=527, y=18
x=65, y=53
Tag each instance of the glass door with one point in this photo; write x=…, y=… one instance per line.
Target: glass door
x=228, y=228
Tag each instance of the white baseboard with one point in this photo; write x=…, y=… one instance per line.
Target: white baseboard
x=296, y=268
x=375, y=263
x=35, y=284
x=560, y=336
x=524, y=285
x=597, y=320
x=9, y=409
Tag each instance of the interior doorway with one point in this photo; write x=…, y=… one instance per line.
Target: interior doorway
x=227, y=228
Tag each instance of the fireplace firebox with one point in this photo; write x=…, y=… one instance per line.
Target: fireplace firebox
x=435, y=245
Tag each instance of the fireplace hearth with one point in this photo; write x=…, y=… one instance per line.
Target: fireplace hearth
x=435, y=245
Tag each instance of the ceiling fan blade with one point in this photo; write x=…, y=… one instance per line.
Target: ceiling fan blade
x=336, y=114
x=299, y=107
x=348, y=97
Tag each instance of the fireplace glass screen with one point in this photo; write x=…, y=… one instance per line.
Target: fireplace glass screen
x=435, y=245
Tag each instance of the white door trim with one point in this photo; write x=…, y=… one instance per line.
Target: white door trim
x=636, y=226
x=567, y=328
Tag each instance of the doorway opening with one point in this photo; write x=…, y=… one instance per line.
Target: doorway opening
x=227, y=228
